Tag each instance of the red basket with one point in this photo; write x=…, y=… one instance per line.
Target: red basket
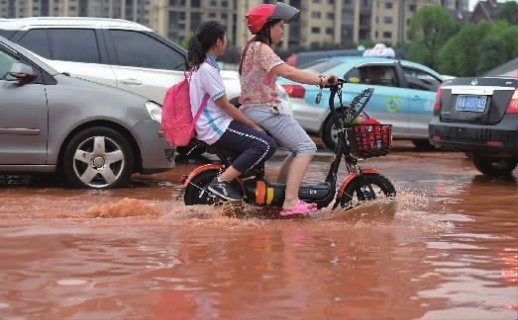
x=370, y=140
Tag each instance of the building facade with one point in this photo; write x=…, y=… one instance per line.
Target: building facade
x=135, y=10
x=331, y=23
x=485, y=11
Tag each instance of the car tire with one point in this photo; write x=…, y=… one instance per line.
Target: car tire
x=494, y=166
x=329, y=132
x=98, y=158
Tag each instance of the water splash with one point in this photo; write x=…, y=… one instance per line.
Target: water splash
x=126, y=207
x=410, y=210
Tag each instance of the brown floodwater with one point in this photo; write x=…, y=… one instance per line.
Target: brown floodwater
x=446, y=250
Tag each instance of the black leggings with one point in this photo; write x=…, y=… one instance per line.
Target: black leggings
x=254, y=147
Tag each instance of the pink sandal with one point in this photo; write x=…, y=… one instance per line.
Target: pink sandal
x=300, y=208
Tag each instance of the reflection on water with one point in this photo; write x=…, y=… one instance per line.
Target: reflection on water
x=446, y=249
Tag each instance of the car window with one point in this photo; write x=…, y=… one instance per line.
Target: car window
x=135, y=49
x=421, y=80
x=353, y=75
x=6, y=61
x=378, y=75
x=6, y=33
x=37, y=42
x=79, y=45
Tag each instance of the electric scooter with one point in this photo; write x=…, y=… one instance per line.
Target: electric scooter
x=354, y=141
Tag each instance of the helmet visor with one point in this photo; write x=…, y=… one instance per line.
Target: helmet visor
x=284, y=12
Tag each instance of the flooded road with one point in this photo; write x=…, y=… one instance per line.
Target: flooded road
x=447, y=250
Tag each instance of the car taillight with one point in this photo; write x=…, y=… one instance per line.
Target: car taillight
x=292, y=60
x=294, y=90
x=437, y=105
x=512, y=107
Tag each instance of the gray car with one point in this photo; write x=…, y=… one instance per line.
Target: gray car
x=93, y=135
x=480, y=117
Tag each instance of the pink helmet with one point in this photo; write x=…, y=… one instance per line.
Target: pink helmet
x=259, y=15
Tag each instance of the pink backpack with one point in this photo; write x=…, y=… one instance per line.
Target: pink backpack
x=177, y=122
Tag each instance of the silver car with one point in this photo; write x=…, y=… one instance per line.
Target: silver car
x=116, y=52
x=93, y=135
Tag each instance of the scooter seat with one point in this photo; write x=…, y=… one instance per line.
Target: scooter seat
x=318, y=186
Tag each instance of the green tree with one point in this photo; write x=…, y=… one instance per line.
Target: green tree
x=366, y=43
x=185, y=42
x=508, y=12
x=458, y=56
x=430, y=28
x=499, y=46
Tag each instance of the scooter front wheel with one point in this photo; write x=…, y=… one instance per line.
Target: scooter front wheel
x=367, y=187
x=196, y=191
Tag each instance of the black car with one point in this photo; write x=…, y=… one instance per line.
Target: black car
x=480, y=117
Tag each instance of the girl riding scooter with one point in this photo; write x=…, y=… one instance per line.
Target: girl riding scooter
x=259, y=68
x=221, y=124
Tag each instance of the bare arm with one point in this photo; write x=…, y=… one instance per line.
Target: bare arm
x=286, y=71
x=236, y=114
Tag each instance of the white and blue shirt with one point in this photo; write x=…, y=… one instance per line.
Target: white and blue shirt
x=213, y=121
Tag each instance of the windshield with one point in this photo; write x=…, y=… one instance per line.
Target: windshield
x=512, y=74
x=322, y=66
x=505, y=69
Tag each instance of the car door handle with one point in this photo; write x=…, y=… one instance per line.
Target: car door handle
x=132, y=82
x=416, y=97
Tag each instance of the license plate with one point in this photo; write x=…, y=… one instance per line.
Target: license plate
x=471, y=103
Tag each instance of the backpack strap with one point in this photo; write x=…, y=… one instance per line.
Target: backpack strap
x=204, y=101
x=200, y=109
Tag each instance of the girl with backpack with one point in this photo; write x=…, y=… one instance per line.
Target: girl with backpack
x=221, y=124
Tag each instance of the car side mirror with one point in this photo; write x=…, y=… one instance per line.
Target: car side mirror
x=21, y=71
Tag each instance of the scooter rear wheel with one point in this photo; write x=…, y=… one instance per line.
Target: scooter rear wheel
x=368, y=187
x=196, y=191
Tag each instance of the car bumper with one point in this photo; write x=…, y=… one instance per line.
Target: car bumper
x=157, y=155
x=493, y=140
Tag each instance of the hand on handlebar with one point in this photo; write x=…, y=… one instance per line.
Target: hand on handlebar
x=332, y=80
x=329, y=79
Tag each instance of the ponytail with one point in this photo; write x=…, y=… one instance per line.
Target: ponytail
x=195, y=54
x=205, y=37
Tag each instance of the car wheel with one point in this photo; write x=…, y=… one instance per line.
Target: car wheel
x=494, y=166
x=329, y=132
x=98, y=158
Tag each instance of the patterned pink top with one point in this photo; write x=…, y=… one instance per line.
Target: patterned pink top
x=258, y=86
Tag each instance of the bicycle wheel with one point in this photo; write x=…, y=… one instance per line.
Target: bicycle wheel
x=368, y=187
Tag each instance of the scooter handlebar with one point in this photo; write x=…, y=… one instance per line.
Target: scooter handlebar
x=338, y=81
